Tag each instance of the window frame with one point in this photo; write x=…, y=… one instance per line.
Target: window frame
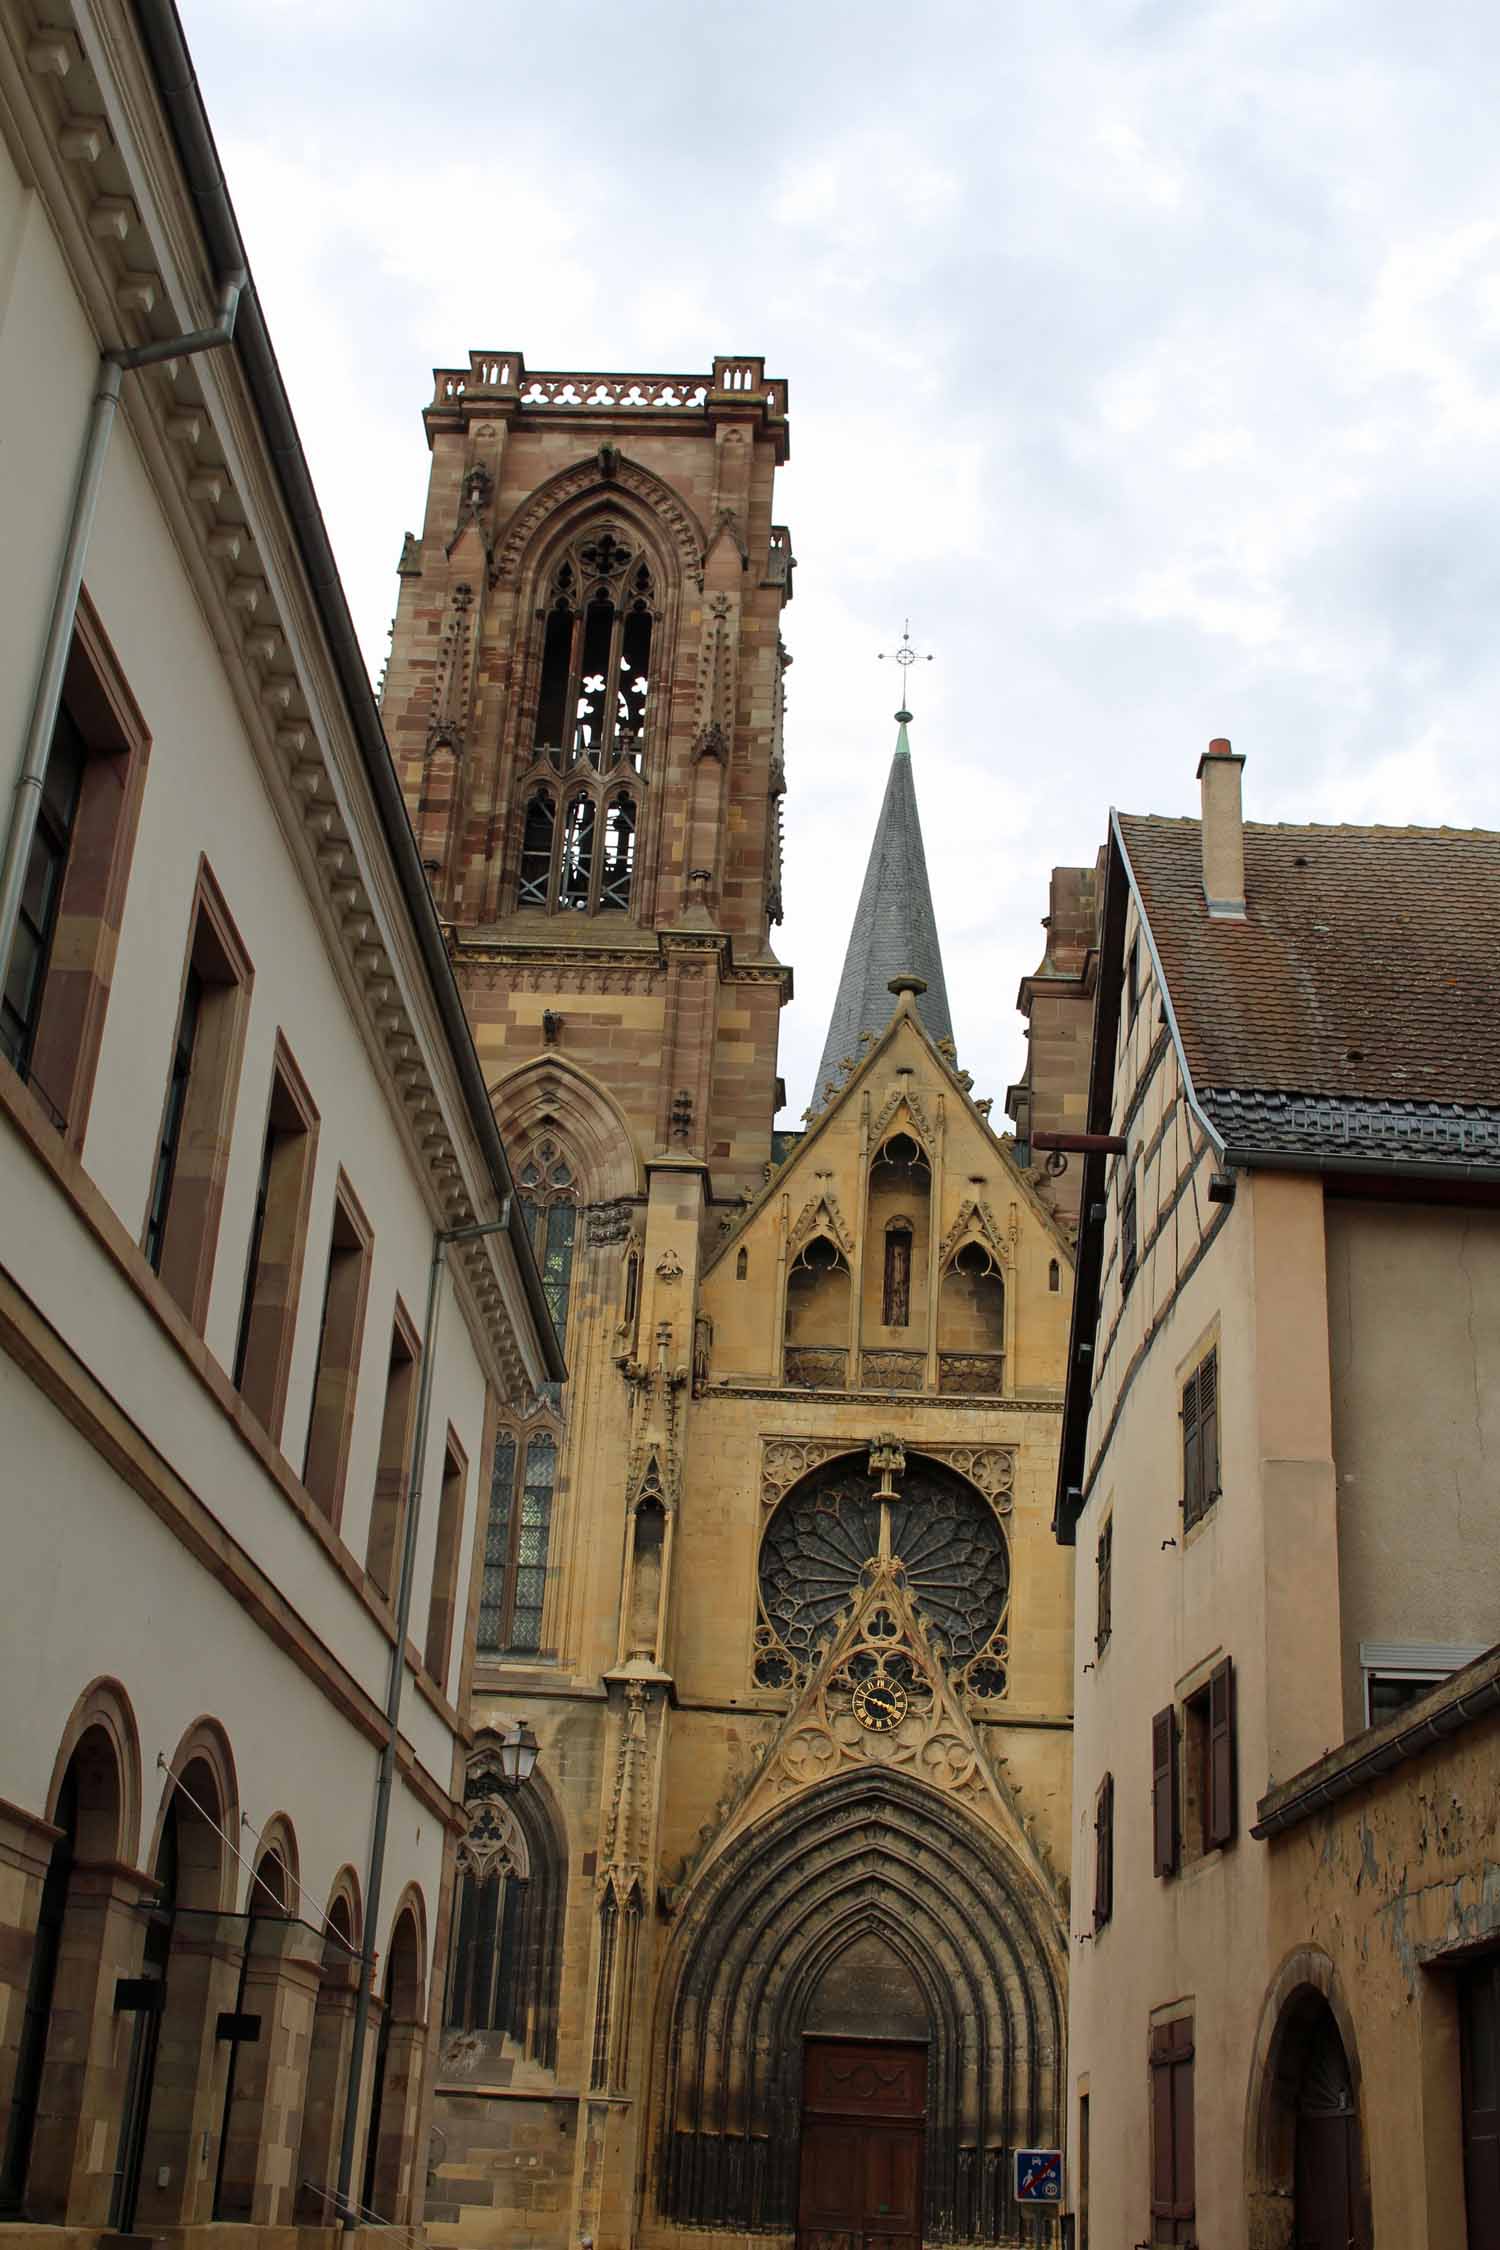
x=335, y=1382
x=1104, y=1557
x=189, y=1226
x=1104, y=1853
x=272, y=1284
x=67, y=1025
x=1129, y=1234
x=539, y=1209
x=386, y=1539
x=447, y=1553
x=545, y=1430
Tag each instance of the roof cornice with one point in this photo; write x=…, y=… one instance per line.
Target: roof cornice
x=223, y=456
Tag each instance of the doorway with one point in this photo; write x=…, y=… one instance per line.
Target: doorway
x=864, y=2136
x=1479, y=2017
x=1326, y=2182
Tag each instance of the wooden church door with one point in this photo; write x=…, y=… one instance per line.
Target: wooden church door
x=864, y=2113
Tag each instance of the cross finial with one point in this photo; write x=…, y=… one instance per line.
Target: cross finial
x=906, y=656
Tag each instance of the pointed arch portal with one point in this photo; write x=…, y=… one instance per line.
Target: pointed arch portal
x=872, y=1872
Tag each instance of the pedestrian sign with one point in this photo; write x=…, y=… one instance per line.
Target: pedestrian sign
x=1039, y=2175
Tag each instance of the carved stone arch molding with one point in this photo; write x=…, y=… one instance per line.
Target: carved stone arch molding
x=516, y=1838
x=554, y=1095
x=605, y=483
x=1305, y=1988
x=559, y=506
x=880, y=1857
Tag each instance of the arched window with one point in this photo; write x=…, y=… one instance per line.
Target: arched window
x=514, y=1579
x=591, y=718
x=596, y=653
x=576, y=884
x=618, y=862
x=549, y=1197
x=895, y=1309
x=971, y=1323
x=536, y=850
x=505, y=1949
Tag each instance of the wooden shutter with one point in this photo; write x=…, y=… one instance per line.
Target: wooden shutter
x=1173, y=2191
x=1192, y=1453
x=1127, y=1237
x=1105, y=1562
x=1221, y=1754
x=1208, y=1428
x=1104, y=1851
x=1164, y=1823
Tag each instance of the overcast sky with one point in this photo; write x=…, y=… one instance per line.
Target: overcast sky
x=1146, y=354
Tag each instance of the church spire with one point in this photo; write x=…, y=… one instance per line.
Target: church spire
x=895, y=930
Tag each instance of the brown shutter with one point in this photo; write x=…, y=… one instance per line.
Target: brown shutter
x=1104, y=1851
x=1192, y=1453
x=1164, y=1828
x=1185, y=2182
x=1163, y=2171
x=1208, y=1427
x=1104, y=1560
x=1173, y=2194
x=1221, y=1753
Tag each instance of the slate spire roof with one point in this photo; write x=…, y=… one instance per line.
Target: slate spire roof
x=894, y=934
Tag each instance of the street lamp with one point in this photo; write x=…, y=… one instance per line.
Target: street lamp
x=518, y=1755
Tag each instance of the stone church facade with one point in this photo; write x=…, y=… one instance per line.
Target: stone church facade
x=783, y=1909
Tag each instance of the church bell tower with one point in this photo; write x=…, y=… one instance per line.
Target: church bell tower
x=584, y=698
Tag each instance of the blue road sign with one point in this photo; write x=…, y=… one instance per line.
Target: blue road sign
x=1039, y=2175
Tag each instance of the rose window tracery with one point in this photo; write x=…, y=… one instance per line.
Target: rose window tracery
x=944, y=1535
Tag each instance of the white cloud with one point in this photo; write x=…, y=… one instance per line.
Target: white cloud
x=1145, y=352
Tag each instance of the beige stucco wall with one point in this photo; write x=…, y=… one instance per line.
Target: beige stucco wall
x=1377, y=1899
x=1255, y=1579
x=1414, y=1337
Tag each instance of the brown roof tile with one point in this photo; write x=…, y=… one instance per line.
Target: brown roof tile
x=1368, y=964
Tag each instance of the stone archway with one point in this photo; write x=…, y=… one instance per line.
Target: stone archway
x=1306, y=2166
x=881, y=1863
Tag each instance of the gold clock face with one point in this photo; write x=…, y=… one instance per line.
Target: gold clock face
x=880, y=1705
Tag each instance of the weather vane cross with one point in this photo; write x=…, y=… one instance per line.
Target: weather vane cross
x=906, y=656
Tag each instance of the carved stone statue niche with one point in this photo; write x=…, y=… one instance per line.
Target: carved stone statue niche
x=645, y=1581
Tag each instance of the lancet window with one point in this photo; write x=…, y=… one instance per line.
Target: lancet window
x=505, y=1947
x=581, y=802
x=523, y=1468
x=513, y=1585
x=549, y=1198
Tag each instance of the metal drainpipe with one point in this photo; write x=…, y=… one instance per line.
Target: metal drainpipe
x=27, y=797
x=375, y=1874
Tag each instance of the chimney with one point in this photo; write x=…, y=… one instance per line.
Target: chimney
x=1223, y=832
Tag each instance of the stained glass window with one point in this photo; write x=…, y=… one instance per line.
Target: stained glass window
x=549, y=1199
x=515, y=1546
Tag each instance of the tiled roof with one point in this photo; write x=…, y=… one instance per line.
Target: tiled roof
x=1367, y=971
x=894, y=934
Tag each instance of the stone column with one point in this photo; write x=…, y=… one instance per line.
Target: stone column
x=264, y=2126
x=326, y=2091
x=187, y=2094
x=75, y=2146
x=400, y=2108
x=26, y=1842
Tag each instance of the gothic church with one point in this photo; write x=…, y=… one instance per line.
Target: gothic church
x=774, y=1940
